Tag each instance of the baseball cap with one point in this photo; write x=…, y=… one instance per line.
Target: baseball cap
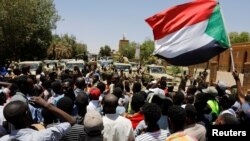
x=94, y=93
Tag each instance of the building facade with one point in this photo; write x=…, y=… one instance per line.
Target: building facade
x=241, y=55
x=123, y=44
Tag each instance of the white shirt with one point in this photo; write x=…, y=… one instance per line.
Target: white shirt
x=93, y=105
x=2, y=119
x=50, y=134
x=117, y=128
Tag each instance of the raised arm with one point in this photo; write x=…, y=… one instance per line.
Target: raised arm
x=58, y=112
x=240, y=92
x=6, y=84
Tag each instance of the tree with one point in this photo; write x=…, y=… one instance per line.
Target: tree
x=59, y=50
x=175, y=70
x=236, y=37
x=151, y=60
x=65, y=46
x=129, y=51
x=147, y=49
x=105, y=51
x=244, y=37
x=25, y=28
x=80, y=48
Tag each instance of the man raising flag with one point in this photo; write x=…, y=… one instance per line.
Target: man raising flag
x=190, y=33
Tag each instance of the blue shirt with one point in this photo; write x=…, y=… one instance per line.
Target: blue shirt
x=50, y=134
x=246, y=109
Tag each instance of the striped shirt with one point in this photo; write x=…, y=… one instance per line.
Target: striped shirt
x=76, y=133
x=160, y=135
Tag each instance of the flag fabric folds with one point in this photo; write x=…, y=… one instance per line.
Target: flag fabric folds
x=190, y=33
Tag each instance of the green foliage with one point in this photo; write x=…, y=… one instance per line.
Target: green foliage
x=25, y=28
x=65, y=46
x=244, y=37
x=147, y=49
x=236, y=37
x=129, y=51
x=81, y=48
x=150, y=60
x=105, y=51
x=175, y=70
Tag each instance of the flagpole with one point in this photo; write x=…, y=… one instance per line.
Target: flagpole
x=231, y=49
x=232, y=58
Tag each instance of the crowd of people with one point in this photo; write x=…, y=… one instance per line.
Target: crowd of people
x=102, y=105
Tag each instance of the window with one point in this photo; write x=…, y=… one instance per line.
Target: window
x=157, y=70
x=122, y=67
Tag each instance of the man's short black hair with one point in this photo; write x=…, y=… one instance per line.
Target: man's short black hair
x=13, y=89
x=70, y=81
x=178, y=98
x=101, y=86
x=82, y=99
x=39, y=70
x=119, y=85
x=136, y=87
x=81, y=102
x=137, y=102
x=52, y=75
x=117, y=92
x=22, y=82
x=190, y=99
x=56, y=87
x=66, y=104
x=191, y=112
x=191, y=89
x=15, y=113
x=163, y=102
x=163, y=84
x=25, y=69
x=177, y=116
x=17, y=71
x=144, y=94
x=227, y=101
x=151, y=112
x=80, y=82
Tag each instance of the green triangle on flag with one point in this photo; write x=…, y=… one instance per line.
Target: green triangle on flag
x=216, y=28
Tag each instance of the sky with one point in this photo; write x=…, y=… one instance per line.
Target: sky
x=103, y=22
